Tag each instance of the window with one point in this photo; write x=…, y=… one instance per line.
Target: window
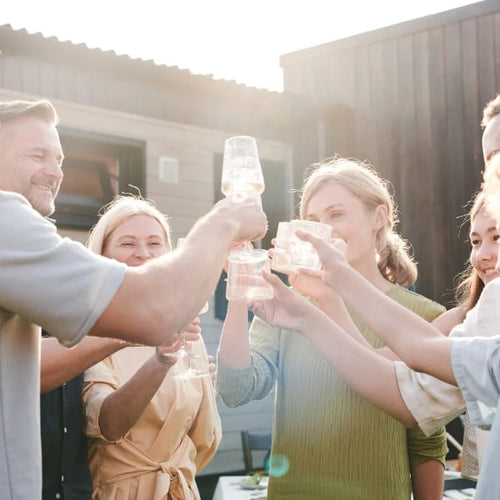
x=96, y=168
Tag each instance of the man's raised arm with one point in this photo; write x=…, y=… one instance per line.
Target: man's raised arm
x=157, y=299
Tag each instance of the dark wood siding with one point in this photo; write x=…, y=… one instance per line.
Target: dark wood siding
x=409, y=99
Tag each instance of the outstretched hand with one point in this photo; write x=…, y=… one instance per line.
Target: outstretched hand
x=308, y=283
x=331, y=254
x=251, y=219
x=304, y=282
x=189, y=333
x=237, y=245
x=287, y=309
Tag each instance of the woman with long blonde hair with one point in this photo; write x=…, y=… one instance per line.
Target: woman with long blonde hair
x=149, y=432
x=469, y=358
x=337, y=444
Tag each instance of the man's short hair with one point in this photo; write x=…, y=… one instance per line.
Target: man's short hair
x=490, y=111
x=42, y=109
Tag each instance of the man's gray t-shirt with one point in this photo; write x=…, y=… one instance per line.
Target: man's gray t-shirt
x=49, y=281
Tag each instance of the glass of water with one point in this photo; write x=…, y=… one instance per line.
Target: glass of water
x=185, y=351
x=244, y=276
x=302, y=253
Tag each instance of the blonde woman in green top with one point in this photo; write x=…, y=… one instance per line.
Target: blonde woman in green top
x=416, y=398
x=336, y=444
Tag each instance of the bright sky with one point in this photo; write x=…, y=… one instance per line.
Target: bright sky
x=230, y=39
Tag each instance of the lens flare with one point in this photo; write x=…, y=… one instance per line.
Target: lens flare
x=278, y=465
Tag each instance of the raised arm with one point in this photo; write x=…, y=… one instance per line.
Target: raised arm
x=370, y=375
x=328, y=300
x=60, y=364
x=87, y=293
x=234, y=347
x=122, y=408
x=418, y=343
x=157, y=299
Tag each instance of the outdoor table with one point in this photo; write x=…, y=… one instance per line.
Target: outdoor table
x=228, y=488
x=466, y=494
x=456, y=487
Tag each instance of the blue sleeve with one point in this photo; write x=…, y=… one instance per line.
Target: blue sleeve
x=476, y=365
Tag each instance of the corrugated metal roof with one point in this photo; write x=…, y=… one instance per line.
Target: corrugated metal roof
x=51, y=47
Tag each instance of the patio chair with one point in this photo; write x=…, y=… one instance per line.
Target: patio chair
x=252, y=441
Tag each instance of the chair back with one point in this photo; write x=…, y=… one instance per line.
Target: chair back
x=252, y=441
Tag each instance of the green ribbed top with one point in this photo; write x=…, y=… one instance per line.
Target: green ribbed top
x=339, y=446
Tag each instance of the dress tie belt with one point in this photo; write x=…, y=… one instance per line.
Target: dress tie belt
x=170, y=479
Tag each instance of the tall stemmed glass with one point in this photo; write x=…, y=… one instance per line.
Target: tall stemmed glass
x=242, y=176
x=185, y=351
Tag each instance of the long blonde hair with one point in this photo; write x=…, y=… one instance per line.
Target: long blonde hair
x=115, y=212
x=364, y=182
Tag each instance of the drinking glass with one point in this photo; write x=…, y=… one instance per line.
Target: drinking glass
x=282, y=258
x=244, y=276
x=242, y=176
x=185, y=351
x=303, y=254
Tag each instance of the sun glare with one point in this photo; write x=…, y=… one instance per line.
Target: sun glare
x=229, y=39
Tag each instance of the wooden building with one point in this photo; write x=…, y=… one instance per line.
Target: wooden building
x=129, y=124
x=408, y=98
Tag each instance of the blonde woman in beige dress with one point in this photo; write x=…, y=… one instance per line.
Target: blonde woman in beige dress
x=149, y=433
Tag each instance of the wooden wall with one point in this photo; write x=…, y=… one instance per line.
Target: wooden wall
x=48, y=67
x=409, y=99
x=173, y=114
